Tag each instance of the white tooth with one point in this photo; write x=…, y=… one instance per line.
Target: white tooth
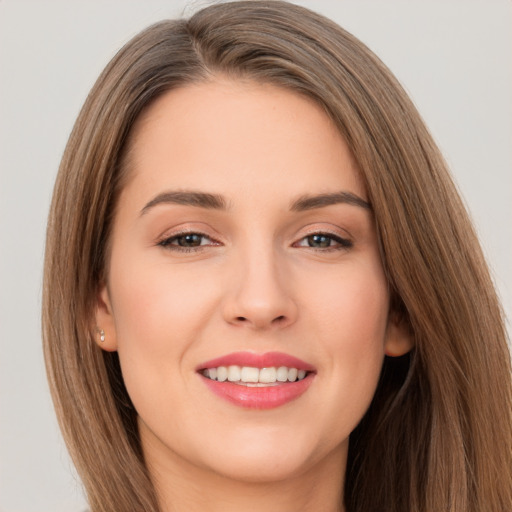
x=292, y=374
x=233, y=373
x=222, y=373
x=249, y=374
x=267, y=375
x=301, y=374
x=282, y=374
x=212, y=373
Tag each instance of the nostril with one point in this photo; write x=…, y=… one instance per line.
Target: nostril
x=261, y=322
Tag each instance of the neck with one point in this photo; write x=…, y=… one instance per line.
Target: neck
x=182, y=487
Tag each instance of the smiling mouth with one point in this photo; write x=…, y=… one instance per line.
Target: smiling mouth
x=255, y=377
x=257, y=381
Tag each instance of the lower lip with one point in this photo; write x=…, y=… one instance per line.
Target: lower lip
x=259, y=398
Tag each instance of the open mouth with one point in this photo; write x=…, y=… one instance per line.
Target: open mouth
x=254, y=377
x=257, y=381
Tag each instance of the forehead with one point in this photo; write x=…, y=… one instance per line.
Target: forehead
x=238, y=137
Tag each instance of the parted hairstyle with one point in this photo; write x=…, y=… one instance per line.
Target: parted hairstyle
x=437, y=436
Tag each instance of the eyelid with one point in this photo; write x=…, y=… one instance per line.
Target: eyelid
x=344, y=241
x=166, y=239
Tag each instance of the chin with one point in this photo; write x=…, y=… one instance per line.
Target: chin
x=256, y=469
x=266, y=457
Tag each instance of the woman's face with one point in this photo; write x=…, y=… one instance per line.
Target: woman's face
x=244, y=254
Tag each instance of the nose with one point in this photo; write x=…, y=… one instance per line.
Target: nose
x=259, y=296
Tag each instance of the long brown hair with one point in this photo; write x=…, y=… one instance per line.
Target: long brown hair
x=438, y=434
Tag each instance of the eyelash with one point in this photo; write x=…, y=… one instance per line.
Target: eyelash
x=167, y=243
x=342, y=243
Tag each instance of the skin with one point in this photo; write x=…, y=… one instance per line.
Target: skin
x=257, y=283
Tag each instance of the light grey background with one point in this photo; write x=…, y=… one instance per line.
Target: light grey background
x=453, y=56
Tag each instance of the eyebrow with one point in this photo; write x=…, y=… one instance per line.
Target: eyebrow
x=218, y=202
x=308, y=202
x=188, y=198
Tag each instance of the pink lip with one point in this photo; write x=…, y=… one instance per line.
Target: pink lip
x=266, y=360
x=267, y=397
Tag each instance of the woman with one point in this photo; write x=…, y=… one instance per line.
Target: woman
x=261, y=287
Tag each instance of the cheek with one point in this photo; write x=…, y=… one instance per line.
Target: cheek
x=352, y=306
x=159, y=314
x=350, y=315
x=154, y=303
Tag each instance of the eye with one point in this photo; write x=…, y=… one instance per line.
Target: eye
x=324, y=241
x=187, y=241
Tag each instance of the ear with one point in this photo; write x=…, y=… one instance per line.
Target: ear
x=105, y=335
x=398, y=336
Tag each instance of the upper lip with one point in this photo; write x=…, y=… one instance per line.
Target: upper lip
x=264, y=360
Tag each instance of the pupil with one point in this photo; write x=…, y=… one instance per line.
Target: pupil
x=319, y=241
x=189, y=240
